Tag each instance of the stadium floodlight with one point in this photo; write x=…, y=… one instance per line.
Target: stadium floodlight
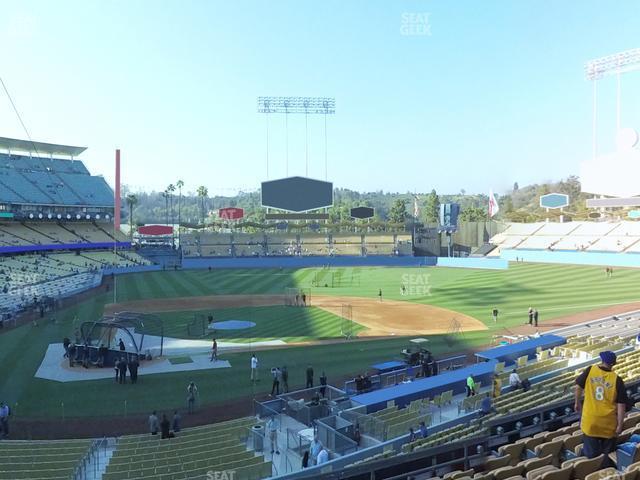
x=301, y=105
x=305, y=105
x=622, y=62
x=616, y=64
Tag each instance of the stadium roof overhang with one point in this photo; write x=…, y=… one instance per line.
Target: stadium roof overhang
x=39, y=147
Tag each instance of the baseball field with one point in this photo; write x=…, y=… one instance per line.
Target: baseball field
x=415, y=301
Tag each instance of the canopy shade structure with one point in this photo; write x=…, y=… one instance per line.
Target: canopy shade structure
x=39, y=147
x=510, y=353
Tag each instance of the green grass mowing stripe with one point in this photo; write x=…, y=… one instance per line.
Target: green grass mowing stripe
x=194, y=284
x=161, y=288
x=257, y=283
x=147, y=284
x=174, y=279
x=132, y=287
x=234, y=285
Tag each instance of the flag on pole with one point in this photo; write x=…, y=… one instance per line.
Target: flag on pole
x=493, y=204
x=416, y=209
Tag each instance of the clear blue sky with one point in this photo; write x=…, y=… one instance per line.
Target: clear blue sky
x=495, y=94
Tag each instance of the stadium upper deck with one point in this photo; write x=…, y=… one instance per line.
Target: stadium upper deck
x=30, y=179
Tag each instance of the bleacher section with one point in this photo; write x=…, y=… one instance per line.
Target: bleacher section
x=619, y=237
x=42, y=181
x=25, y=277
x=193, y=453
x=52, y=233
x=40, y=460
x=209, y=244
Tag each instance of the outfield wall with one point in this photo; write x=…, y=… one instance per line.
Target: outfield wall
x=473, y=262
x=346, y=261
x=133, y=269
x=608, y=259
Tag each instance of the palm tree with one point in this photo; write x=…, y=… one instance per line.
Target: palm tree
x=165, y=195
x=179, y=184
x=131, y=200
x=170, y=189
x=202, y=194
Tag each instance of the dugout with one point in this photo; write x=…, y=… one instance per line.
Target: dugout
x=509, y=354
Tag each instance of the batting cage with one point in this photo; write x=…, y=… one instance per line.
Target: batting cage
x=198, y=326
x=335, y=278
x=297, y=297
x=323, y=277
x=100, y=340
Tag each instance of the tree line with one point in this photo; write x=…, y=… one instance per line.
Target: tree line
x=178, y=205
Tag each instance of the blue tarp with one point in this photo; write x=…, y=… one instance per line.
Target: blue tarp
x=510, y=353
x=388, y=366
x=405, y=393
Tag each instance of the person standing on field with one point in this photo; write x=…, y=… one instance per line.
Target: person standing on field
x=192, y=393
x=254, y=368
x=214, y=351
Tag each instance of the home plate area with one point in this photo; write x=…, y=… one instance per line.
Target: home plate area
x=179, y=355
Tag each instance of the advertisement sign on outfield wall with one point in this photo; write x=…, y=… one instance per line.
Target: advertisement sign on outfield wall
x=231, y=213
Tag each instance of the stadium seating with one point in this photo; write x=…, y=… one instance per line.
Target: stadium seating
x=17, y=188
x=557, y=229
x=396, y=422
x=209, y=244
x=612, y=243
x=539, y=242
x=191, y=454
x=617, y=237
x=556, y=387
x=52, y=233
x=55, y=275
x=215, y=250
x=39, y=460
x=523, y=229
x=252, y=250
x=46, y=181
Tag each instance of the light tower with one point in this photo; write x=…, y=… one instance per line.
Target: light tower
x=298, y=105
x=616, y=64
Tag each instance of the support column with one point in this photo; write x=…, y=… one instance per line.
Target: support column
x=116, y=212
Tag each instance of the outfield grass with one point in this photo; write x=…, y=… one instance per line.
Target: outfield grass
x=288, y=324
x=555, y=290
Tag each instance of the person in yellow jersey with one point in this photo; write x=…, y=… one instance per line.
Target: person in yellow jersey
x=603, y=408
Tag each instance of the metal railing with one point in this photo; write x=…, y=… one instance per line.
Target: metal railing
x=89, y=464
x=367, y=424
